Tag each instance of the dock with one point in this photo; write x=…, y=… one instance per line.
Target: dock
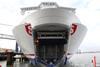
x=16, y=64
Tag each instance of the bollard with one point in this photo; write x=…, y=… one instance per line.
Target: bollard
x=0, y=66
x=11, y=65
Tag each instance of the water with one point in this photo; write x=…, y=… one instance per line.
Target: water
x=85, y=60
x=26, y=64
x=16, y=64
x=3, y=63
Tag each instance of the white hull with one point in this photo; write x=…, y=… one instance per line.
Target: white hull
x=65, y=18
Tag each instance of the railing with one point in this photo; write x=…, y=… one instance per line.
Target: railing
x=43, y=5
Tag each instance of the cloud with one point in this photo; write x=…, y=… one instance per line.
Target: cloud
x=79, y=4
x=10, y=44
x=90, y=17
x=94, y=4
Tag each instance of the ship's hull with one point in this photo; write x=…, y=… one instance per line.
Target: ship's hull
x=41, y=40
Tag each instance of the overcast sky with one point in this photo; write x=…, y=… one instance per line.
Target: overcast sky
x=88, y=11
